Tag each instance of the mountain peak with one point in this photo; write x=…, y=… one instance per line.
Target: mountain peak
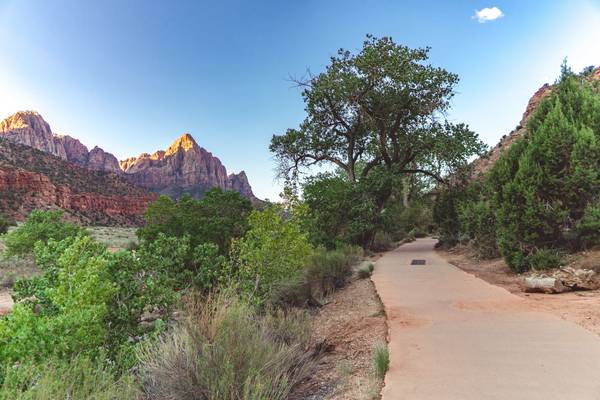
x=24, y=119
x=185, y=142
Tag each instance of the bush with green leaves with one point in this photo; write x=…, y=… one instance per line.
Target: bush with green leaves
x=275, y=247
x=5, y=223
x=544, y=259
x=445, y=215
x=65, y=311
x=344, y=212
x=85, y=301
x=216, y=218
x=539, y=198
x=588, y=227
x=40, y=226
x=477, y=221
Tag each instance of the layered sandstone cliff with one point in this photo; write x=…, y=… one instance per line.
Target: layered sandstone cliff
x=31, y=179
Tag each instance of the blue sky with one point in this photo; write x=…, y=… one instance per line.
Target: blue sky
x=131, y=76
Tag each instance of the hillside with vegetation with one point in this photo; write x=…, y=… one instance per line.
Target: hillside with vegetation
x=539, y=201
x=32, y=179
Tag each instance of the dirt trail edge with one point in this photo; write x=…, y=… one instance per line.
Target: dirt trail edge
x=453, y=336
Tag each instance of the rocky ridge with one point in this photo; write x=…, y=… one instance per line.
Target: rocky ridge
x=483, y=164
x=184, y=167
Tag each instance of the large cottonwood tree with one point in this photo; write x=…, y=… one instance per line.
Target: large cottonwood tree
x=384, y=106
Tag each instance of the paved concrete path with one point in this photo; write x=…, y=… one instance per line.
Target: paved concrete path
x=456, y=337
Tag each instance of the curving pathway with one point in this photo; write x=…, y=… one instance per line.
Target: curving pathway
x=455, y=337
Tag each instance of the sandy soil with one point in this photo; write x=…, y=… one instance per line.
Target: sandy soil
x=5, y=301
x=350, y=324
x=582, y=308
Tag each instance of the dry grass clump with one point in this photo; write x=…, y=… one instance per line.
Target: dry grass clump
x=225, y=350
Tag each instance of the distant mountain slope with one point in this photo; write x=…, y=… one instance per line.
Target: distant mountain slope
x=184, y=167
x=30, y=178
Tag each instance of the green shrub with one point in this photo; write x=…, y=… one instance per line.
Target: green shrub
x=5, y=223
x=542, y=185
x=588, y=227
x=274, y=248
x=329, y=270
x=85, y=301
x=382, y=241
x=225, y=350
x=478, y=222
x=445, y=215
x=68, y=313
x=380, y=360
x=78, y=378
x=543, y=259
x=40, y=226
x=341, y=211
x=365, y=271
x=216, y=218
x=294, y=291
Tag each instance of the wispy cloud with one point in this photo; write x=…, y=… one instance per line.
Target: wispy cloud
x=488, y=14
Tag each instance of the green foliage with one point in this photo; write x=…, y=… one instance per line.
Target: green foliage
x=329, y=270
x=225, y=350
x=378, y=116
x=400, y=221
x=274, y=248
x=380, y=106
x=445, y=214
x=78, y=378
x=540, y=197
x=217, y=218
x=69, y=317
x=85, y=301
x=588, y=227
x=478, y=221
x=382, y=241
x=544, y=259
x=545, y=182
x=5, y=223
x=381, y=360
x=344, y=212
x=40, y=226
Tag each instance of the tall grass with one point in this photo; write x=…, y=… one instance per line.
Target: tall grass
x=329, y=270
x=381, y=360
x=325, y=272
x=225, y=350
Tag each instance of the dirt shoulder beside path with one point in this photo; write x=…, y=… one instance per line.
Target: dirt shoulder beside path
x=582, y=307
x=349, y=325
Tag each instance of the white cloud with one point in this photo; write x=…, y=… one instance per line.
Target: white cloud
x=488, y=14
